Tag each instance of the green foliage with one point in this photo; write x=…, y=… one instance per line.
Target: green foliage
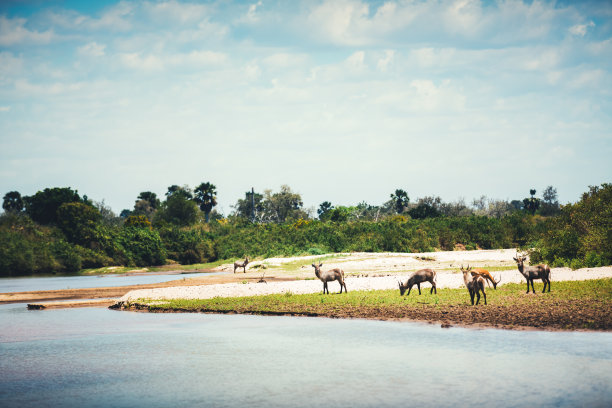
x=205, y=197
x=12, y=202
x=143, y=247
x=423, y=211
x=139, y=221
x=323, y=211
x=532, y=203
x=177, y=210
x=282, y=206
x=78, y=221
x=42, y=207
x=400, y=200
x=581, y=235
x=188, y=245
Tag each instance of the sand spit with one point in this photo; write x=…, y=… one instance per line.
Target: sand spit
x=364, y=271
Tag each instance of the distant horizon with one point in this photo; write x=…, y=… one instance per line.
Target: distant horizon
x=342, y=100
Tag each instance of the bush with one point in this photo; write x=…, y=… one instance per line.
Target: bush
x=143, y=247
x=582, y=232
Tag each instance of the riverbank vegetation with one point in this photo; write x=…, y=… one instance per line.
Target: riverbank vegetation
x=59, y=231
x=572, y=305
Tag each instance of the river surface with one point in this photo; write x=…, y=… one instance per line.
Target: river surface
x=95, y=357
x=27, y=284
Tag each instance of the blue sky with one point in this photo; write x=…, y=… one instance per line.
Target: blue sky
x=342, y=100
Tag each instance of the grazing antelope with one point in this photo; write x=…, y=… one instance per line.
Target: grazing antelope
x=241, y=265
x=336, y=274
x=530, y=273
x=474, y=284
x=418, y=277
x=486, y=276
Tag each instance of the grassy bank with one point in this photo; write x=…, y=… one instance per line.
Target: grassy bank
x=569, y=306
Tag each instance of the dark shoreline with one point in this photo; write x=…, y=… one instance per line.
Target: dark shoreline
x=479, y=317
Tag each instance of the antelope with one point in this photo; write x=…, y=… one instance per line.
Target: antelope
x=486, y=276
x=418, y=277
x=530, y=273
x=241, y=265
x=335, y=274
x=474, y=284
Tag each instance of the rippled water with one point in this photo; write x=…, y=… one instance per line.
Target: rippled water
x=104, y=358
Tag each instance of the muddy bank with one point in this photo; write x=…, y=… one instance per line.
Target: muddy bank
x=570, y=315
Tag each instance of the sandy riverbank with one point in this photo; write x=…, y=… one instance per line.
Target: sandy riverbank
x=364, y=271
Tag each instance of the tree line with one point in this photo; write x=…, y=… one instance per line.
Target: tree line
x=57, y=230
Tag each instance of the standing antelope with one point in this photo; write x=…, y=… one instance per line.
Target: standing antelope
x=241, y=264
x=418, y=277
x=530, y=273
x=474, y=284
x=486, y=276
x=336, y=274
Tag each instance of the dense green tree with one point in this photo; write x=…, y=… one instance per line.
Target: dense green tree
x=244, y=207
x=205, y=196
x=12, y=202
x=323, y=211
x=144, y=207
x=177, y=210
x=78, y=221
x=151, y=198
x=400, y=200
x=550, y=203
x=42, y=206
x=183, y=191
x=581, y=235
x=531, y=204
x=282, y=206
x=139, y=221
x=423, y=210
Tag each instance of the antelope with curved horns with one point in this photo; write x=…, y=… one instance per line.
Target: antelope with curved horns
x=474, y=284
x=335, y=274
x=418, y=277
x=530, y=273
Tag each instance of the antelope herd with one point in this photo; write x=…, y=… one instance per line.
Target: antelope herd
x=475, y=279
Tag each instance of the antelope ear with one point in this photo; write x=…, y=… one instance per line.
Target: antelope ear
x=313, y=265
x=320, y=265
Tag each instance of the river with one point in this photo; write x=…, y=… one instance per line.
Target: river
x=27, y=284
x=97, y=357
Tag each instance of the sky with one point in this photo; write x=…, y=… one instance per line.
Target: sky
x=344, y=101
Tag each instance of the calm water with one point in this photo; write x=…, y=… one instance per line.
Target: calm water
x=105, y=358
x=26, y=284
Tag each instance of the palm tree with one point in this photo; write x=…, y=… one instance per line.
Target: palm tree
x=205, y=197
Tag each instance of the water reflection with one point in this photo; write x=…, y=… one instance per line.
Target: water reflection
x=99, y=357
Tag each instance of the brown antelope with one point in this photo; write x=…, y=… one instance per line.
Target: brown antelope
x=486, y=276
x=474, y=284
x=530, y=273
x=418, y=277
x=241, y=264
x=336, y=274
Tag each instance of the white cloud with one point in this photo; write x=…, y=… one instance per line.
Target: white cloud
x=158, y=62
x=383, y=63
x=251, y=15
x=5, y=108
x=13, y=32
x=174, y=11
x=580, y=30
x=92, y=49
x=355, y=63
